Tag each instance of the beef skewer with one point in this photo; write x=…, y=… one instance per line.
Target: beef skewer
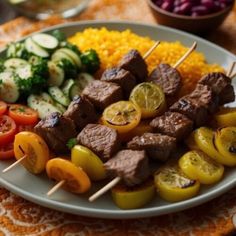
x=118, y=178
x=59, y=184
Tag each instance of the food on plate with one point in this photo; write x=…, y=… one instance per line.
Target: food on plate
x=173, y=124
x=76, y=180
x=89, y=162
x=193, y=8
x=226, y=116
x=122, y=116
x=56, y=130
x=173, y=185
x=197, y=165
x=150, y=98
x=131, y=166
x=158, y=146
x=7, y=151
x=192, y=69
x=3, y=107
x=7, y=129
x=102, y=93
x=135, y=197
x=34, y=150
x=102, y=140
x=22, y=114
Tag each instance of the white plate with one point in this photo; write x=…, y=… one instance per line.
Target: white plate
x=34, y=188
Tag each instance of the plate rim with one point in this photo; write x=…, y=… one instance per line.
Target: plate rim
x=122, y=214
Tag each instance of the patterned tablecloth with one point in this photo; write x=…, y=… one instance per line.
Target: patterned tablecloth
x=20, y=217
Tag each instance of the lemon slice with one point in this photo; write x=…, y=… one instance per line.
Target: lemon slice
x=150, y=98
x=122, y=116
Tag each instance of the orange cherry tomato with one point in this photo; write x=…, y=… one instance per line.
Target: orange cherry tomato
x=7, y=129
x=22, y=114
x=6, y=151
x=3, y=107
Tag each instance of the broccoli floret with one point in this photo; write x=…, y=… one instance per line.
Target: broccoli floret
x=70, y=46
x=2, y=67
x=39, y=66
x=90, y=60
x=59, y=35
x=71, y=143
x=69, y=68
x=17, y=50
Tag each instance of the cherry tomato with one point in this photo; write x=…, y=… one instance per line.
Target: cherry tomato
x=3, y=107
x=7, y=129
x=6, y=151
x=23, y=115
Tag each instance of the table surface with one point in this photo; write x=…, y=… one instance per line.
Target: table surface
x=20, y=217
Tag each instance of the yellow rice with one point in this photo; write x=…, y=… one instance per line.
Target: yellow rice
x=112, y=45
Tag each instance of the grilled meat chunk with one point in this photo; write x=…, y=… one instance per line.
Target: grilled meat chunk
x=122, y=77
x=157, y=146
x=56, y=130
x=220, y=85
x=134, y=63
x=173, y=124
x=168, y=78
x=102, y=93
x=131, y=166
x=102, y=140
x=81, y=111
x=197, y=105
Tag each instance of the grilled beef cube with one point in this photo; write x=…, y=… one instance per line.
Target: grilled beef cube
x=56, y=130
x=134, y=63
x=168, y=78
x=173, y=124
x=122, y=77
x=157, y=146
x=220, y=85
x=197, y=105
x=131, y=166
x=102, y=93
x=81, y=111
x=102, y=140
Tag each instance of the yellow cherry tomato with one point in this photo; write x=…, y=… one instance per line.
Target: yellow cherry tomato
x=225, y=142
x=122, y=116
x=89, y=162
x=150, y=98
x=226, y=117
x=204, y=138
x=140, y=129
x=197, y=165
x=173, y=185
x=34, y=148
x=135, y=197
x=76, y=180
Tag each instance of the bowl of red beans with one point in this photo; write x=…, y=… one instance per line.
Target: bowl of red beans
x=195, y=16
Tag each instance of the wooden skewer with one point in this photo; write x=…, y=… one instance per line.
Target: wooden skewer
x=14, y=164
x=233, y=76
x=103, y=190
x=231, y=69
x=55, y=187
x=180, y=61
x=148, y=53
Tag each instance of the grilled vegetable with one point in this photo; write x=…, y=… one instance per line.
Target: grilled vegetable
x=226, y=117
x=135, y=197
x=90, y=61
x=173, y=185
x=197, y=165
x=7, y=129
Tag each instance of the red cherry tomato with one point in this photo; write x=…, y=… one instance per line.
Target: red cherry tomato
x=7, y=129
x=6, y=151
x=3, y=107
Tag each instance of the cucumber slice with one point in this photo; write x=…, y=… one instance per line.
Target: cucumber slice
x=45, y=41
x=58, y=56
x=47, y=98
x=24, y=72
x=75, y=91
x=56, y=74
x=83, y=80
x=43, y=108
x=59, y=96
x=9, y=91
x=68, y=84
x=11, y=50
x=35, y=49
x=14, y=63
x=72, y=55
